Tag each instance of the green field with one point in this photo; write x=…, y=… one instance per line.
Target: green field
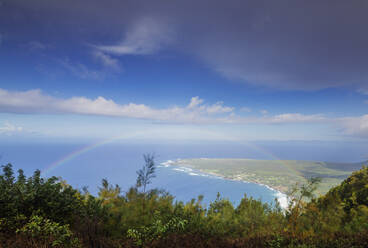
x=278, y=174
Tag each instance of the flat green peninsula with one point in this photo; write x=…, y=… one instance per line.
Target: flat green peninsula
x=281, y=175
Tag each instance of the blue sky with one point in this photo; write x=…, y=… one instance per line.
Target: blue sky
x=232, y=71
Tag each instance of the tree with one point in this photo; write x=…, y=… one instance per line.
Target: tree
x=297, y=205
x=147, y=172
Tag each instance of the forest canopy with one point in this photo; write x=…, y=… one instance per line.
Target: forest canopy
x=47, y=212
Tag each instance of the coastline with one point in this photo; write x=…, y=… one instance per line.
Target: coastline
x=281, y=197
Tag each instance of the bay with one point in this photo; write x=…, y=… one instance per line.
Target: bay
x=86, y=164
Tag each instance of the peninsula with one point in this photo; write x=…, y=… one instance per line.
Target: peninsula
x=281, y=175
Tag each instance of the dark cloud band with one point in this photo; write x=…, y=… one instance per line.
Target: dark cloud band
x=303, y=45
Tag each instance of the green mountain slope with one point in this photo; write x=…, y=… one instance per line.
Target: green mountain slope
x=38, y=212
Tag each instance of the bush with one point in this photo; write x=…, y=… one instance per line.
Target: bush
x=39, y=231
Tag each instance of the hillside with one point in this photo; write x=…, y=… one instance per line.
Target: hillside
x=279, y=174
x=37, y=212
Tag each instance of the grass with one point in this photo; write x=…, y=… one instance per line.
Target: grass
x=279, y=174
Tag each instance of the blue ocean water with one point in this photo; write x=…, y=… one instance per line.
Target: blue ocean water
x=119, y=162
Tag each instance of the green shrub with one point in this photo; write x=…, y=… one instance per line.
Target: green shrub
x=39, y=230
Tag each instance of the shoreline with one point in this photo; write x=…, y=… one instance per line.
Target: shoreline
x=281, y=197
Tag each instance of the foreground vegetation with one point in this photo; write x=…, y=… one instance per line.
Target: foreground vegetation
x=38, y=212
x=278, y=174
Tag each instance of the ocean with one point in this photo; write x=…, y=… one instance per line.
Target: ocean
x=86, y=164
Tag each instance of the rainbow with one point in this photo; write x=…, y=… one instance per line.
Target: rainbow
x=93, y=146
x=81, y=151
x=267, y=153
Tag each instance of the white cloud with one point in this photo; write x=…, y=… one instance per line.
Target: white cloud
x=245, y=109
x=194, y=102
x=147, y=36
x=296, y=118
x=196, y=112
x=356, y=126
x=10, y=129
x=36, y=45
x=218, y=108
x=264, y=112
x=106, y=60
x=276, y=119
x=34, y=101
x=80, y=70
x=31, y=101
x=363, y=90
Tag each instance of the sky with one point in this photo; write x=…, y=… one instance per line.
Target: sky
x=183, y=71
